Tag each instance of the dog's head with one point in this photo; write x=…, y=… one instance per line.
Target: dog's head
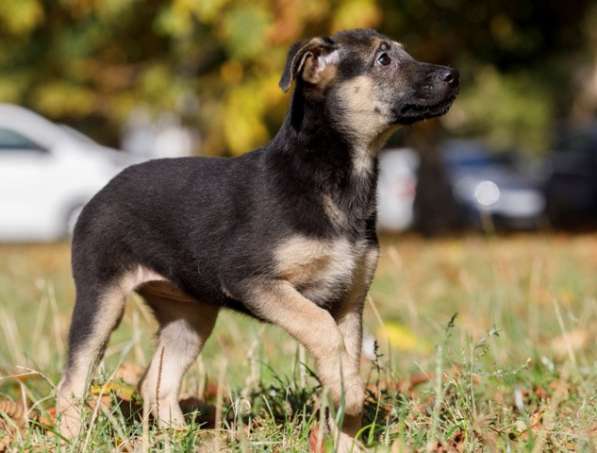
x=368, y=82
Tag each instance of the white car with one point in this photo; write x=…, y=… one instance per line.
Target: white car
x=396, y=189
x=47, y=173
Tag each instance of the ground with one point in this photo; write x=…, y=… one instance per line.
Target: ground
x=484, y=344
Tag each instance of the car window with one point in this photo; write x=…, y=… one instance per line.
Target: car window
x=11, y=140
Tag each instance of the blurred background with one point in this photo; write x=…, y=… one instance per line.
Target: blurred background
x=88, y=87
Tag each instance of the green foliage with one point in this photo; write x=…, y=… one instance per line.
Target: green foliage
x=244, y=31
x=510, y=110
x=78, y=59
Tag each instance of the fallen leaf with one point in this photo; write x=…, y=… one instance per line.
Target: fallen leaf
x=5, y=442
x=121, y=389
x=13, y=419
x=13, y=410
x=403, y=338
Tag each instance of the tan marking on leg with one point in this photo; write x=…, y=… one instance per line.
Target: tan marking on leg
x=73, y=384
x=185, y=326
x=349, y=315
x=164, y=290
x=280, y=303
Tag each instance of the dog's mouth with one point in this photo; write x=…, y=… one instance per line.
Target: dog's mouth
x=409, y=113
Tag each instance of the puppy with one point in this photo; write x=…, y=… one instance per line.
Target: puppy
x=285, y=233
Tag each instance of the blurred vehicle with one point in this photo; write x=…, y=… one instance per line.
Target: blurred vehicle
x=396, y=189
x=489, y=186
x=47, y=173
x=158, y=136
x=571, y=178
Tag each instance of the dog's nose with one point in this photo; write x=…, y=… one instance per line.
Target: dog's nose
x=450, y=76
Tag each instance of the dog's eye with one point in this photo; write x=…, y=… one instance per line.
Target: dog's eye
x=384, y=59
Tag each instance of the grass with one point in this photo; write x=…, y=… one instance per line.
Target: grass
x=515, y=370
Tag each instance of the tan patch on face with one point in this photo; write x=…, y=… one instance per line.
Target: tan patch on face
x=364, y=116
x=319, y=265
x=365, y=113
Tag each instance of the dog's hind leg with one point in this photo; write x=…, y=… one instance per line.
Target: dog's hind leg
x=185, y=325
x=98, y=310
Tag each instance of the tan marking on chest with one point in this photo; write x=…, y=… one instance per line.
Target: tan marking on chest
x=321, y=265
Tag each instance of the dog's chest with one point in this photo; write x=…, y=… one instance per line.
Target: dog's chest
x=321, y=269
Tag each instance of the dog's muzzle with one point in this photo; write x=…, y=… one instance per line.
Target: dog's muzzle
x=433, y=98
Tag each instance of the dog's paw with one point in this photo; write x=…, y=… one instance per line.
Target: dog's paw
x=344, y=436
x=348, y=444
x=354, y=396
x=69, y=420
x=352, y=393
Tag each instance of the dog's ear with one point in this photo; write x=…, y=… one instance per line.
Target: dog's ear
x=314, y=60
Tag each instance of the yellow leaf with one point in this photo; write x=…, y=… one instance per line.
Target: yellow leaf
x=22, y=16
x=401, y=337
x=120, y=389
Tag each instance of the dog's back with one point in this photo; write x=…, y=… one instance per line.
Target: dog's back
x=181, y=218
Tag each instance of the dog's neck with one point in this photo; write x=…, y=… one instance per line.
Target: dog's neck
x=317, y=157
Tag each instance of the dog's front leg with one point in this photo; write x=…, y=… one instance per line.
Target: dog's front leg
x=349, y=317
x=350, y=324
x=279, y=302
x=349, y=313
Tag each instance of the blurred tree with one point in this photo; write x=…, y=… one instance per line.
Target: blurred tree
x=216, y=62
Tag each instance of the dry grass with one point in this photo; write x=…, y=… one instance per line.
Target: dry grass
x=515, y=370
